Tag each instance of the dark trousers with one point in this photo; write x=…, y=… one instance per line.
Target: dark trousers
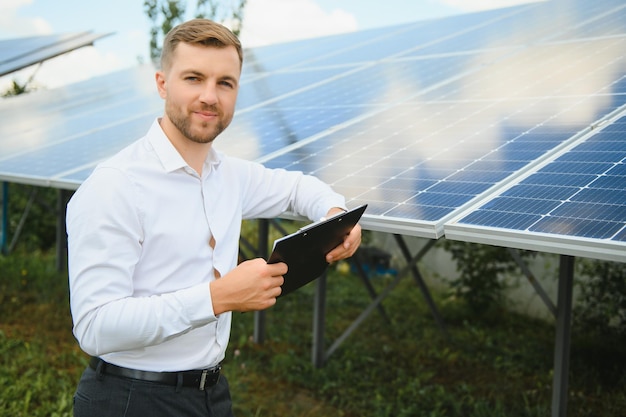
x=112, y=396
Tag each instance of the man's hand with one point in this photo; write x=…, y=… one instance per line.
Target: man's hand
x=350, y=243
x=252, y=285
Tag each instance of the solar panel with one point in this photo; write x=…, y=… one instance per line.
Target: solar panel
x=19, y=53
x=505, y=127
x=420, y=120
x=574, y=204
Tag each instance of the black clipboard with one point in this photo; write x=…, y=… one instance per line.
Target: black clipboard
x=305, y=251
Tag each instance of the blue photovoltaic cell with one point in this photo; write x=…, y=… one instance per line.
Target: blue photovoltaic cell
x=613, y=23
x=309, y=52
x=581, y=193
x=577, y=167
x=600, y=195
x=618, y=170
x=419, y=120
x=563, y=180
x=48, y=160
x=621, y=235
x=269, y=86
x=576, y=226
x=522, y=205
x=54, y=117
x=495, y=29
x=539, y=192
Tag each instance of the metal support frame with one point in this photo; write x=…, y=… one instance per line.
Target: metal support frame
x=318, y=355
x=369, y=287
x=63, y=197
x=4, y=227
x=319, y=314
x=259, y=316
x=533, y=281
x=562, y=343
x=20, y=224
x=318, y=346
x=562, y=311
x=411, y=263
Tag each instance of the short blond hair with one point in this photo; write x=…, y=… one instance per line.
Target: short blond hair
x=203, y=32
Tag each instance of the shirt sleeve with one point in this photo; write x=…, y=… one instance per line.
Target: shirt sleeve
x=268, y=193
x=104, y=245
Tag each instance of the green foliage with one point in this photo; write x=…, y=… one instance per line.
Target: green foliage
x=39, y=361
x=230, y=12
x=602, y=299
x=17, y=88
x=481, y=269
x=166, y=14
x=32, y=217
x=496, y=364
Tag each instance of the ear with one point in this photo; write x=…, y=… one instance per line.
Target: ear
x=161, y=83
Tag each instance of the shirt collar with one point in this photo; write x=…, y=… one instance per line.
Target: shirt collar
x=169, y=156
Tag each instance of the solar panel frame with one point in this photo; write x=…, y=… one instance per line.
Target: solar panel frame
x=563, y=216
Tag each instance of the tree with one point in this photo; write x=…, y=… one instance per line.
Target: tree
x=165, y=14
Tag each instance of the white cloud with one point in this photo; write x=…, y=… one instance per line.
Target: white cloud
x=273, y=21
x=109, y=54
x=72, y=67
x=476, y=5
x=76, y=66
x=12, y=25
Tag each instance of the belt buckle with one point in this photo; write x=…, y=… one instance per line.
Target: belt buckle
x=204, y=374
x=203, y=379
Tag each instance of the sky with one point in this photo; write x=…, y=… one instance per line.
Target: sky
x=265, y=22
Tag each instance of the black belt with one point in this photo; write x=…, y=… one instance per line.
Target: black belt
x=201, y=379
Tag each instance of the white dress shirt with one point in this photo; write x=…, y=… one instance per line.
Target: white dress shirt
x=140, y=262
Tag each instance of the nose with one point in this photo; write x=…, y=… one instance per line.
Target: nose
x=209, y=93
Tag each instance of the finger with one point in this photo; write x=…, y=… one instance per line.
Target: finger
x=280, y=280
x=346, y=249
x=278, y=269
x=336, y=254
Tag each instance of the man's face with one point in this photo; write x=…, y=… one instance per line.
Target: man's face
x=200, y=90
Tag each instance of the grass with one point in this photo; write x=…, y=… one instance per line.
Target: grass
x=496, y=364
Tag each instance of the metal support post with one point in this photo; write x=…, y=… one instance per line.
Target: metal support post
x=259, y=316
x=420, y=281
x=563, y=337
x=4, y=228
x=319, y=320
x=63, y=196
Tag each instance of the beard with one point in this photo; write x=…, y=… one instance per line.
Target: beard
x=207, y=131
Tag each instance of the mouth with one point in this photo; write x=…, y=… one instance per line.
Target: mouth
x=206, y=115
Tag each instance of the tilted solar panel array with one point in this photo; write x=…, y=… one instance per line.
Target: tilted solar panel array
x=574, y=203
x=422, y=121
x=16, y=54
x=475, y=101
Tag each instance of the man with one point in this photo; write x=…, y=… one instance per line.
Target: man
x=153, y=240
